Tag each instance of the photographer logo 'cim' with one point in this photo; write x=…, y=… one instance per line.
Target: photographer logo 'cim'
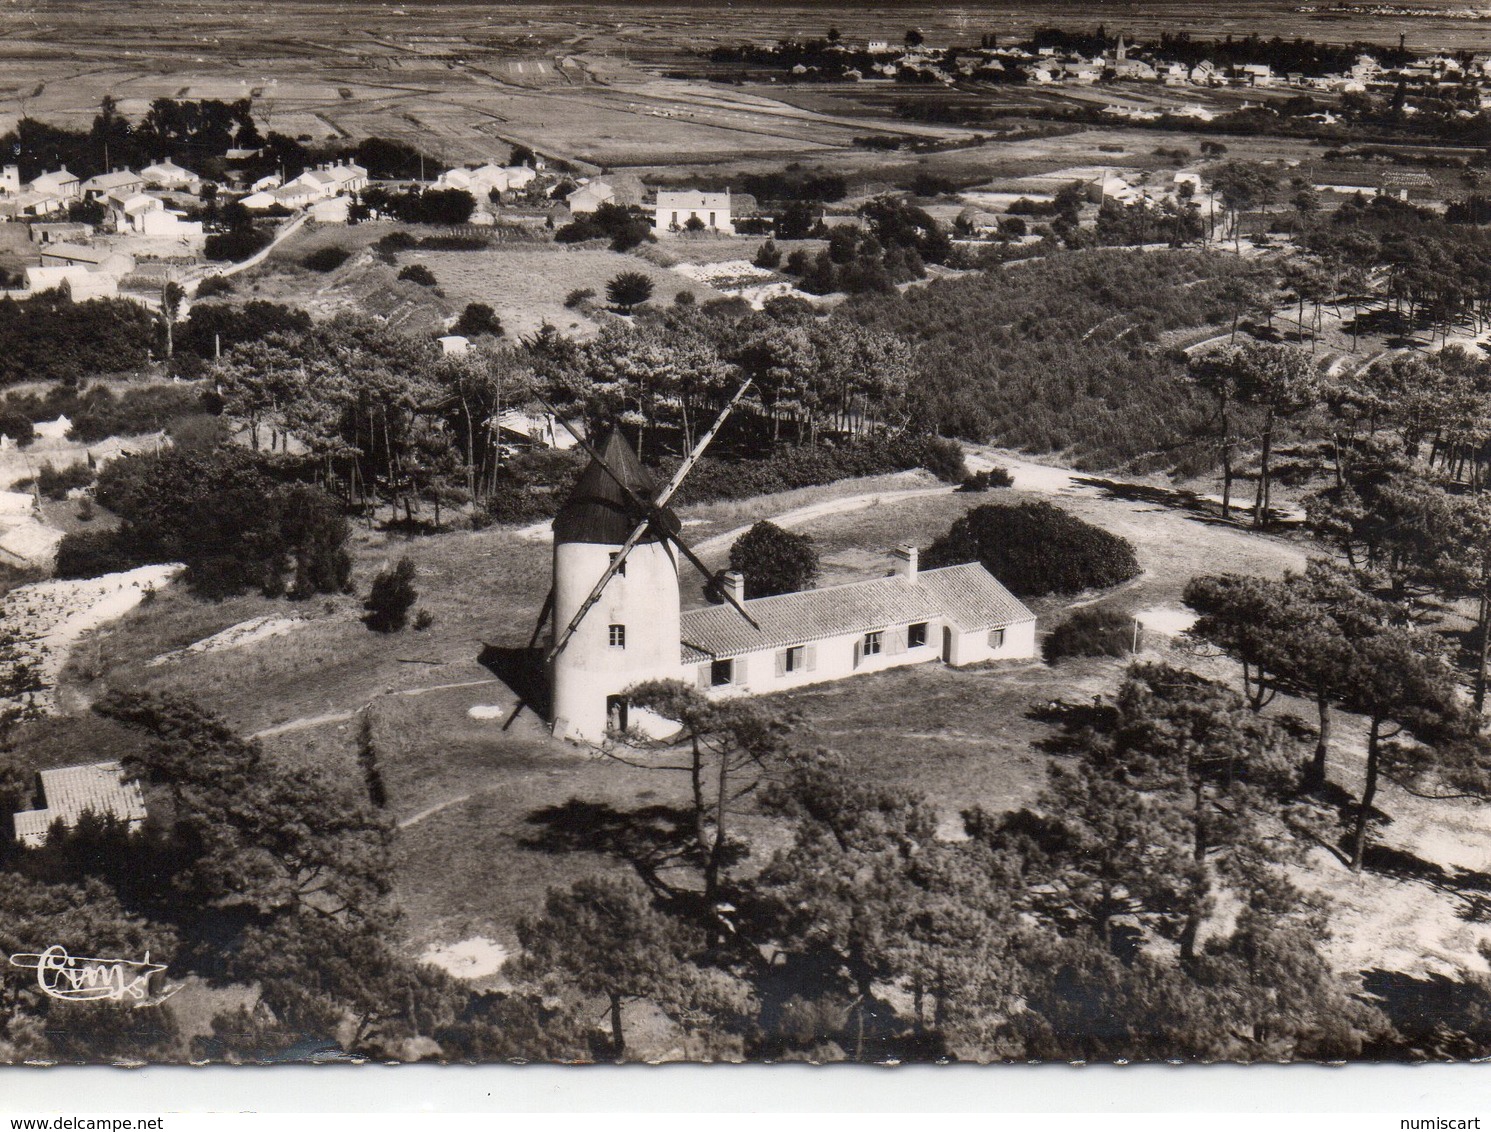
x=78, y=978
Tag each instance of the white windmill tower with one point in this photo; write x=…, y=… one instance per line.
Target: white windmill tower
x=614, y=601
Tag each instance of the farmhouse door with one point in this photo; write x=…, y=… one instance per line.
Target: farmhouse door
x=947, y=645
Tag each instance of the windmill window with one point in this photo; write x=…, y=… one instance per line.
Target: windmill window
x=874, y=642
x=620, y=570
x=996, y=638
x=916, y=635
x=618, y=636
x=721, y=672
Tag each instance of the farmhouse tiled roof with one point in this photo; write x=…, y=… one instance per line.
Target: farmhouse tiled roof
x=72, y=791
x=106, y=181
x=692, y=198
x=969, y=596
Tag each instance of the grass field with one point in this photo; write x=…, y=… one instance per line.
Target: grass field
x=525, y=283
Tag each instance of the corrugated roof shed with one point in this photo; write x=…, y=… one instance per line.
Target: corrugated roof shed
x=969, y=596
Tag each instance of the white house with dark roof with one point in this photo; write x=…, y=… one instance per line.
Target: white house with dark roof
x=71, y=791
x=636, y=630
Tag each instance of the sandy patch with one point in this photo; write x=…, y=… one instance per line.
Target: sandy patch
x=1166, y=622
x=235, y=636
x=474, y=958
x=48, y=618
x=486, y=711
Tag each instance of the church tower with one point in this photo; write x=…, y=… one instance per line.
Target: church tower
x=631, y=633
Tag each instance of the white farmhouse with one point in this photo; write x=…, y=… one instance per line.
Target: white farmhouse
x=61, y=184
x=121, y=180
x=674, y=210
x=10, y=180
x=589, y=197
x=167, y=174
x=636, y=631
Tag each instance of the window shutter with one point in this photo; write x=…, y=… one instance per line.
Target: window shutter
x=705, y=682
x=896, y=640
x=738, y=671
x=858, y=652
x=781, y=664
x=810, y=657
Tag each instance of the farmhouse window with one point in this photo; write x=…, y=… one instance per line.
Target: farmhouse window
x=916, y=635
x=618, y=636
x=675, y=220
x=874, y=642
x=620, y=570
x=722, y=672
x=996, y=638
x=711, y=220
x=802, y=658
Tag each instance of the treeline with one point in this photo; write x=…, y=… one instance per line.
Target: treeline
x=1064, y=355
x=197, y=133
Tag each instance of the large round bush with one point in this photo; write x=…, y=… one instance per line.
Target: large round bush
x=1036, y=549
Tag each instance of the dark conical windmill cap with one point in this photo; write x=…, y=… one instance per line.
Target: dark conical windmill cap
x=597, y=510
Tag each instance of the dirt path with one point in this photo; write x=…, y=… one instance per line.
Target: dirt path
x=799, y=516
x=306, y=722
x=1172, y=544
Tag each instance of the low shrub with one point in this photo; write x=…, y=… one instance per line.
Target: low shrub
x=391, y=597
x=326, y=259
x=214, y=285
x=418, y=273
x=101, y=413
x=238, y=244
x=478, y=319
x=1036, y=549
x=579, y=297
x=983, y=481
x=55, y=483
x=17, y=425
x=397, y=242
x=1090, y=631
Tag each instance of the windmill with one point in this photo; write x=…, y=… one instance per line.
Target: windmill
x=615, y=519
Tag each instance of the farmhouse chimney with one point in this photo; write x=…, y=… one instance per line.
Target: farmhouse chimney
x=904, y=562
x=733, y=583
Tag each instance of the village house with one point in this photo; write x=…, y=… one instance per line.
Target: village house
x=636, y=631
x=69, y=255
x=10, y=180
x=70, y=792
x=28, y=204
x=674, y=210
x=121, y=180
x=166, y=174
x=589, y=197
x=65, y=231
x=61, y=184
